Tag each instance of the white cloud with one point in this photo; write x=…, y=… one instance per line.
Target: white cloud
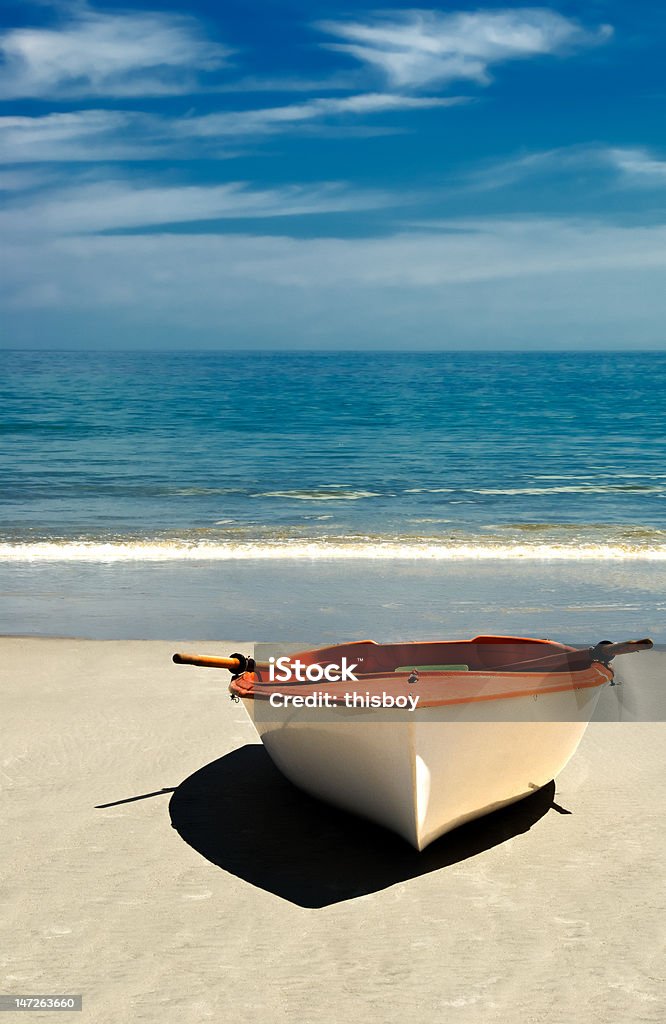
x=413, y=49
x=94, y=135
x=80, y=135
x=626, y=167
x=500, y=173
x=93, y=206
x=107, y=53
x=270, y=120
x=638, y=166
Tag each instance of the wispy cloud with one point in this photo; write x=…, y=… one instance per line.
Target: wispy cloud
x=94, y=135
x=497, y=174
x=338, y=81
x=270, y=120
x=81, y=135
x=639, y=166
x=107, y=53
x=118, y=204
x=613, y=165
x=413, y=49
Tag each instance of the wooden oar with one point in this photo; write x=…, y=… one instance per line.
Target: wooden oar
x=603, y=652
x=235, y=663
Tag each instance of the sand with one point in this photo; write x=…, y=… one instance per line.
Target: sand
x=261, y=905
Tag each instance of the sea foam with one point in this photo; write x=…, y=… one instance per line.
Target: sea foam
x=327, y=550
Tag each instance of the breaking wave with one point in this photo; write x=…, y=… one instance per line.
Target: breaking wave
x=334, y=549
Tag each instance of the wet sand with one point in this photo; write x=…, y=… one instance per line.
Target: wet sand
x=154, y=861
x=571, y=601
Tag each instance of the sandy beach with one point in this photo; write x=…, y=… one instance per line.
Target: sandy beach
x=154, y=861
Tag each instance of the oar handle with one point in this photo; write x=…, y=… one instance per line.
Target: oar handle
x=235, y=663
x=605, y=650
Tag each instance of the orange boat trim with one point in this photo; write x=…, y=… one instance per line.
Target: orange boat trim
x=246, y=686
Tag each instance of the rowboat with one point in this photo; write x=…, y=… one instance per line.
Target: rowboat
x=422, y=737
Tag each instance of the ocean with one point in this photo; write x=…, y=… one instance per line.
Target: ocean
x=444, y=455
x=340, y=465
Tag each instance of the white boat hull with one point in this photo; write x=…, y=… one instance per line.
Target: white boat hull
x=424, y=773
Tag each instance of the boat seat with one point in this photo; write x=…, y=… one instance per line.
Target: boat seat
x=432, y=668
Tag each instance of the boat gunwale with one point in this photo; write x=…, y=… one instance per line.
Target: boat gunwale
x=603, y=674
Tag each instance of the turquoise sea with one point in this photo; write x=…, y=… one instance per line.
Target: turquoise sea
x=275, y=449
x=338, y=466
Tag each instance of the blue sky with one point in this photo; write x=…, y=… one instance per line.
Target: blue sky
x=275, y=174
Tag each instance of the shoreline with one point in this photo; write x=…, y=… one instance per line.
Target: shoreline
x=288, y=599
x=324, y=551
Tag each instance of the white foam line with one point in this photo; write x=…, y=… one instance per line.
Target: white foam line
x=164, y=551
x=318, y=495
x=570, y=489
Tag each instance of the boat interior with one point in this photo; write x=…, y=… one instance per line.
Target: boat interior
x=482, y=653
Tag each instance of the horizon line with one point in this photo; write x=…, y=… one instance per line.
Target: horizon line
x=345, y=351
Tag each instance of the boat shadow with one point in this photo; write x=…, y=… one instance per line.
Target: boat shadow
x=241, y=814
